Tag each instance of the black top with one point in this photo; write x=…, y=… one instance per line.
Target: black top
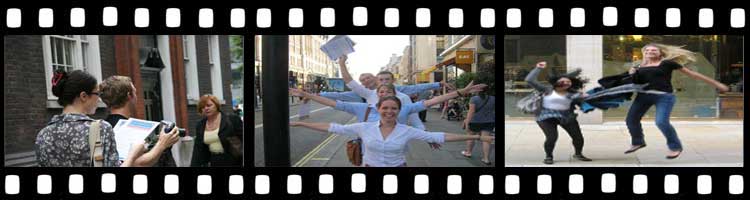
x=229, y=129
x=658, y=77
x=165, y=160
x=114, y=118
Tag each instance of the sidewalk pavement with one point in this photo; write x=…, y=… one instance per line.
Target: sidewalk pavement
x=295, y=103
x=705, y=144
x=333, y=151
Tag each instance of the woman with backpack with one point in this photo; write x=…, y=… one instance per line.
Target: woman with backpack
x=556, y=108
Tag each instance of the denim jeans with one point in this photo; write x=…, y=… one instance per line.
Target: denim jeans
x=664, y=104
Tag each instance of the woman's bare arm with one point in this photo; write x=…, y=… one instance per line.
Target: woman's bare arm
x=699, y=76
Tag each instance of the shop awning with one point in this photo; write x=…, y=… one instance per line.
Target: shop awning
x=438, y=66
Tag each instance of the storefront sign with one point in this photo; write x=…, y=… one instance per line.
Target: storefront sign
x=464, y=57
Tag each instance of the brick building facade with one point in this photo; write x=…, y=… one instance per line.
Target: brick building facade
x=193, y=66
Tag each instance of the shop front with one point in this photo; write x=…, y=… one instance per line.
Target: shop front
x=717, y=56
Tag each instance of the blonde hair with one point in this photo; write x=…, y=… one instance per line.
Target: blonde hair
x=115, y=91
x=670, y=52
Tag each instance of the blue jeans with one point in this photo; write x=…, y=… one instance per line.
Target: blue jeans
x=664, y=104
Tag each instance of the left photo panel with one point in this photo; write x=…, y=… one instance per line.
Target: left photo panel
x=123, y=100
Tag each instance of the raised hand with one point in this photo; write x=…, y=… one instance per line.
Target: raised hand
x=471, y=88
x=342, y=59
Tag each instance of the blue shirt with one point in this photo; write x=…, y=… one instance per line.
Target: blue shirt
x=359, y=110
x=351, y=96
x=485, y=114
x=389, y=151
x=342, y=96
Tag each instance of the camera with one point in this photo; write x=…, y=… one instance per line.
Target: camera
x=152, y=138
x=169, y=125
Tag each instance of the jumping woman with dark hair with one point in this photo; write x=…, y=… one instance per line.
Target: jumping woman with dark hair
x=557, y=108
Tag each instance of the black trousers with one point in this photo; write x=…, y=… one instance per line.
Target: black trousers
x=549, y=126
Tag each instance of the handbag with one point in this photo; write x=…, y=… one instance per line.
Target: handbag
x=531, y=104
x=235, y=144
x=354, y=147
x=95, y=144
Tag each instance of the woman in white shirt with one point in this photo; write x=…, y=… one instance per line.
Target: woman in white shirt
x=557, y=109
x=385, y=140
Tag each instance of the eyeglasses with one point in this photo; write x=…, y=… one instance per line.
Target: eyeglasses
x=96, y=93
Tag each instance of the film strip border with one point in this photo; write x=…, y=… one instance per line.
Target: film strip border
x=262, y=20
x=383, y=20
x=263, y=183
x=230, y=183
x=648, y=182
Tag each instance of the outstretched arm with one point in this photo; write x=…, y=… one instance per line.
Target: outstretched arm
x=450, y=137
x=699, y=76
x=316, y=98
x=419, y=88
x=348, y=96
x=315, y=126
x=349, y=129
x=471, y=88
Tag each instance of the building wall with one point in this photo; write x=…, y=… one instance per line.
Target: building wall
x=404, y=66
x=425, y=52
x=307, y=60
x=204, y=77
x=25, y=111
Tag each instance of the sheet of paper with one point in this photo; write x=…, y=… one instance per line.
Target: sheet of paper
x=132, y=130
x=338, y=46
x=119, y=124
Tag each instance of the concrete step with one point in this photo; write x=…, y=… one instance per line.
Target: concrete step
x=23, y=159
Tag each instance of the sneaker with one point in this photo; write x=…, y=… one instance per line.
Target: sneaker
x=581, y=158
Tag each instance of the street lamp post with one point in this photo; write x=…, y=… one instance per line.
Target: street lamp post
x=275, y=102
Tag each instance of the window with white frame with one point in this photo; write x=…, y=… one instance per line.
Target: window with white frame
x=191, y=69
x=210, y=50
x=68, y=53
x=215, y=66
x=185, y=48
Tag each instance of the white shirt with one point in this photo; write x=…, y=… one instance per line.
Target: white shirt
x=556, y=101
x=372, y=99
x=388, y=152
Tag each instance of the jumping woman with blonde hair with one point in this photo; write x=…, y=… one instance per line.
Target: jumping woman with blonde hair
x=656, y=68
